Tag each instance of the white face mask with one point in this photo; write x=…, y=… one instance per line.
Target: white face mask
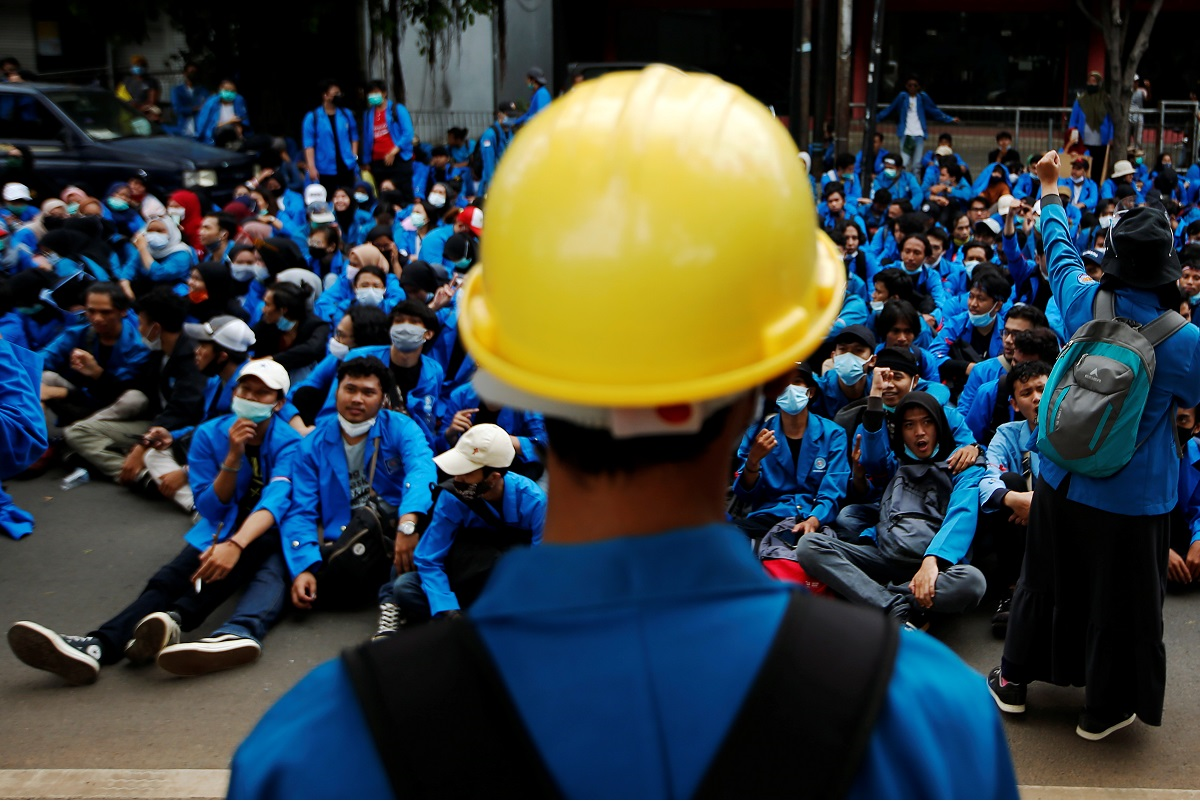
x=369, y=296
x=355, y=429
x=437, y=200
x=338, y=350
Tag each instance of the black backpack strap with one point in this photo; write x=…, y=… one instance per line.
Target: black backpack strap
x=441, y=718
x=817, y=696
x=1104, y=305
x=1163, y=326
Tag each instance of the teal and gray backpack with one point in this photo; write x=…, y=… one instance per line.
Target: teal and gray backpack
x=1096, y=393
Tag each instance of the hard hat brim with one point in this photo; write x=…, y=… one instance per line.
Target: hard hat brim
x=783, y=344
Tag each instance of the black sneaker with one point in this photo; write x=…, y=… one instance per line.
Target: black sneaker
x=76, y=659
x=153, y=633
x=1097, y=727
x=917, y=619
x=1000, y=619
x=1008, y=695
x=389, y=621
x=208, y=655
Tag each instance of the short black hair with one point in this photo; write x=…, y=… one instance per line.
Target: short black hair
x=940, y=234
x=912, y=223
x=293, y=297
x=371, y=326
x=415, y=308
x=1027, y=311
x=893, y=312
x=904, y=204
x=371, y=269
x=120, y=300
x=594, y=451
x=951, y=167
x=896, y=281
x=326, y=83
x=945, y=136
x=1004, y=135
x=365, y=367
x=919, y=237
x=332, y=235
x=993, y=283
x=843, y=160
x=161, y=305
x=225, y=222
x=831, y=187
x=1025, y=371
x=377, y=85
x=839, y=232
x=882, y=196
x=987, y=249
x=1040, y=342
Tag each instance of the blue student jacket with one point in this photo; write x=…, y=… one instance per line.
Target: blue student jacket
x=541, y=98
x=404, y=473
x=1089, y=193
x=812, y=485
x=25, y=332
x=210, y=113
x=210, y=448
x=1078, y=118
x=400, y=128
x=128, y=353
x=317, y=134
x=926, y=110
x=523, y=506
x=979, y=413
x=957, y=530
x=339, y=297
x=580, y=632
x=854, y=312
x=22, y=428
x=424, y=404
x=1006, y=454
x=528, y=427
x=959, y=329
x=491, y=147
x=904, y=186
x=172, y=269
x=1189, y=488
x=433, y=246
x=987, y=370
x=1148, y=484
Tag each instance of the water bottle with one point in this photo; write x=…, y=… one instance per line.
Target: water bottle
x=75, y=478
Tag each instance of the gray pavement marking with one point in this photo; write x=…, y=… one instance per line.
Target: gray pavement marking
x=103, y=783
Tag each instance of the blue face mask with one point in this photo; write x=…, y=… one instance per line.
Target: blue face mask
x=877, y=305
x=1194, y=300
x=250, y=410
x=849, y=368
x=285, y=325
x=793, y=400
x=118, y=204
x=890, y=172
x=909, y=453
x=980, y=320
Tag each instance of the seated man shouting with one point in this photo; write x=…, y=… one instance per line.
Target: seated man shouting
x=481, y=512
x=916, y=559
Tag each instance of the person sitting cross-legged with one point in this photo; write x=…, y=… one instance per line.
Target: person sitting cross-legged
x=917, y=559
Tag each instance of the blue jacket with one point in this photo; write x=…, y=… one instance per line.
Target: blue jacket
x=904, y=186
x=433, y=246
x=1148, y=484
x=928, y=281
x=492, y=144
x=424, y=404
x=337, y=299
x=1078, y=118
x=124, y=362
x=979, y=415
x=210, y=113
x=1108, y=190
x=25, y=332
x=187, y=102
x=578, y=633
x=958, y=329
x=541, y=98
x=851, y=187
x=404, y=473
x=528, y=427
x=210, y=447
x=985, y=371
x=876, y=168
x=956, y=532
x=174, y=268
x=1086, y=193
x=813, y=485
x=1189, y=488
x=854, y=312
x=523, y=506
x=926, y=109
x=317, y=134
x=400, y=128
x=1006, y=454
x=1023, y=270
x=22, y=428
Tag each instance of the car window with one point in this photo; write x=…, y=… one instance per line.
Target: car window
x=100, y=115
x=26, y=117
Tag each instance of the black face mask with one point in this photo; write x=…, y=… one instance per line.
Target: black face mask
x=469, y=492
x=1184, y=434
x=1092, y=89
x=320, y=254
x=338, y=100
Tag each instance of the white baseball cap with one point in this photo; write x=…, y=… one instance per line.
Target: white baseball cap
x=269, y=371
x=15, y=191
x=320, y=213
x=484, y=445
x=315, y=193
x=1004, y=204
x=227, y=331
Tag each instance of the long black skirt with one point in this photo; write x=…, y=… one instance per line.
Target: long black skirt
x=1087, y=610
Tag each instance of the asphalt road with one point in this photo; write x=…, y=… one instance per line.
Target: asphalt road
x=96, y=545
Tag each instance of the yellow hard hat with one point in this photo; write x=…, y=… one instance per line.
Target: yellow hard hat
x=651, y=240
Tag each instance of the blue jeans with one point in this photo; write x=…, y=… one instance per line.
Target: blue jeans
x=854, y=519
x=405, y=591
x=261, y=605
x=913, y=163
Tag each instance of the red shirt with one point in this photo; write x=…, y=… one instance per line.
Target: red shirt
x=383, y=140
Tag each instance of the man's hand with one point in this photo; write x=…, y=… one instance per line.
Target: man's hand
x=963, y=458
x=217, y=561
x=1048, y=168
x=241, y=432
x=85, y=364
x=807, y=526
x=1019, y=503
x=405, y=545
x=1193, y=560
x=390, y=158
x=304, y=590
x=763, y=444
x=135, y=463
x=443, y=296
x=158, y=438
x=459, y=424
x=923, y=583
x=1177, y=569
x=313, y=175
x=856, y=469
x=171, y=483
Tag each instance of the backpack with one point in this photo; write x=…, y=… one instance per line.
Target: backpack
x=475, y=160
x=1097, y=391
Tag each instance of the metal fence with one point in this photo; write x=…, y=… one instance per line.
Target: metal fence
x=1172, y=127
x=431, y=126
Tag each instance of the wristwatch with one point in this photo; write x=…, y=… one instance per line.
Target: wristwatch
x=408, y=528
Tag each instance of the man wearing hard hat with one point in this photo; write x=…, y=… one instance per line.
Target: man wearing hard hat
x=641, y=651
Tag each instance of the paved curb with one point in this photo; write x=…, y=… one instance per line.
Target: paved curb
x=102, y=783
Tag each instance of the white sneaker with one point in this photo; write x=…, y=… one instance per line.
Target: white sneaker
x=76, y=659
x=153, y=633
x=208, y=655
x=389, y=620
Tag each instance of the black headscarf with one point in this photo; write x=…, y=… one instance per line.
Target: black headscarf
x=927, y=402
x=345, y=219
x=222, y=293
x=279, y=254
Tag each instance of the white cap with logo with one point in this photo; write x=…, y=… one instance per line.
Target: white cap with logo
x=226, y=330
x=484, y=445
x=15, y=191
x=269, y=371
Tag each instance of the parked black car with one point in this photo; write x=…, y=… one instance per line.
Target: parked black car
x=87, y=135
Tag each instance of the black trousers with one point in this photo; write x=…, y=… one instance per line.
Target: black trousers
x=1087, y=610
x=344, y=179
x=994, y=534
x=400, y=173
